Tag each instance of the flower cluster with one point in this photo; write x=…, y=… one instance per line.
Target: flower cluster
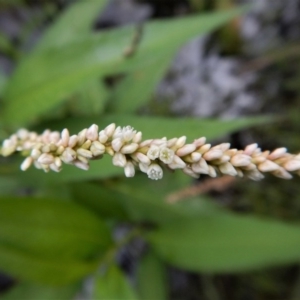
x=50, y=150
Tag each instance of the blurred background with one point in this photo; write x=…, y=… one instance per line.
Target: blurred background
x=249, y=67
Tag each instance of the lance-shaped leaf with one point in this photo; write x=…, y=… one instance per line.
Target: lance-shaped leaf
x=227, y=243
x=45, y=79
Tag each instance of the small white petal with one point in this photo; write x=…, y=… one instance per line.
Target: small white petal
x=203, y=149
x=55, y=168
x=171, y=142
x=26, y=163
x=212, y=171
x=86, y=145
x=57, y=162
x=254, y=175
x=129, y=169
x=35, y=153
x=155, y=172
x=153, y=152
x=119, y=160
x=227, y=168
x=23, y=134
x=166, y=155
x=97, y=148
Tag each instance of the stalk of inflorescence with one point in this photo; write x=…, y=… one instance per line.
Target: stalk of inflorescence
x=51, y=149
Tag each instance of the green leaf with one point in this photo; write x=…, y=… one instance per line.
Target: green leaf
x=144, y=199
x=75, y=22
x=29, y=291
x=136, y=88
x=61, y=71
x=113, y=285
x=27, y=266
x=226, y=243
x=152, y=281
x=90, y=99
x=157, y=127
x=52, y=229
x=99, y=199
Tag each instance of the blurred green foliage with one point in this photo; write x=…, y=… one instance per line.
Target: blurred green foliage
x=57, y=229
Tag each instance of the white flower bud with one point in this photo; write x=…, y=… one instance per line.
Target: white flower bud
x=195, y=156
x=81, y=165
x=46, y=159
x=57, y=162
x=83, y=159
x=92, y=133
x=282, y=173
x=68, y=156
x=199, y=142
x=155, y=172
x=46, y=148
x=73, y=141
x=8, y=147
x=180, y=142
x=145, y=143
x=84, y=153
x=268, y=166
x=213, y=154
x=249, y=150
x=190, y=172
x=119, y=160
x=143, y=167
x=103, y=137
x=240, y=160
x=128, y=149
x=254, y=175
x=60, y=150
x=203, y=149
x=109, y=130
x=137, y=138
x=143, y=158
x=97, y=148
x=277, y=153
x=200, y=167
x=171, y=142
x=292, y=165
x=117, y=144
x=129, y=169
x=23, y=134
x=35, y=153
x=166, y=155
x=54, y=137
x=86, y=145
x=212, y=171
x=81, y=137
x=65, y=135
x=26, y=163
x=55, y=168
x=153, y=152
x=186, y=149
x=227, y=168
